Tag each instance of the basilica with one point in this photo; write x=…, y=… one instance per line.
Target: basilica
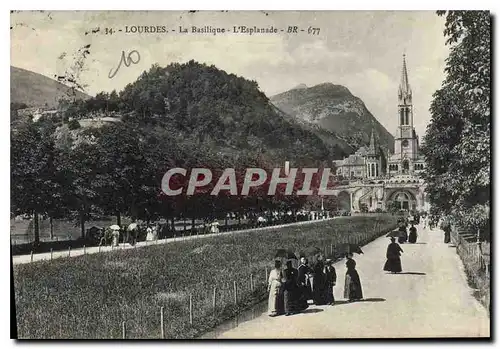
x=374, y=178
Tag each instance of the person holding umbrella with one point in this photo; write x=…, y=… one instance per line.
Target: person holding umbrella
x=214, y=227
x=115, y=234
x=132, y=230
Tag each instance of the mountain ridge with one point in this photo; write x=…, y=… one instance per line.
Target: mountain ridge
x=37, y=90
x=336, y=112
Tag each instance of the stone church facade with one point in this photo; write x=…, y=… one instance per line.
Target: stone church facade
x=374, y=178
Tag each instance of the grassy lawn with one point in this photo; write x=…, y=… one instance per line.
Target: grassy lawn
x=92, y=296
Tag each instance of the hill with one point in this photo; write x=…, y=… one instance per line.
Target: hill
x=215, y=112
x=334, y=114
x=36, y=90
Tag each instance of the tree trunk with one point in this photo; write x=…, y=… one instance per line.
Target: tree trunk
x=172, y=225
x=51, y=222
x=118, y=219
x=82, y=223
x=36, y=229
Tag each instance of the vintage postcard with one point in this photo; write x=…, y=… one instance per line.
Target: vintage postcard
x=250, y=174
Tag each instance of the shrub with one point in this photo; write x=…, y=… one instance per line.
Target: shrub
x=73, y=124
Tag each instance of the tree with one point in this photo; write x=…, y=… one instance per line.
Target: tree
x=457, y=142
x=34, y=189
x=78, y=170
x=393, y=207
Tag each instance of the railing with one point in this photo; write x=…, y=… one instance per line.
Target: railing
x=477, y=265
x=182, y=314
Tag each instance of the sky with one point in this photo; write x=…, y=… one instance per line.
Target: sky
x=361, y=50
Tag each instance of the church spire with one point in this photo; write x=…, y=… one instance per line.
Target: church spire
x=372, y=140
x=404, y=92
x=373, y=148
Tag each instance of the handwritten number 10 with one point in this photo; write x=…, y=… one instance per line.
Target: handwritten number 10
x=132, y=58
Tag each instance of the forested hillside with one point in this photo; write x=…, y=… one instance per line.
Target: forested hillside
x=185, y=115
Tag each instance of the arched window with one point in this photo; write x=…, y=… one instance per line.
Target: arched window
x=404, y=200
x=402, y=116
x=402, y=197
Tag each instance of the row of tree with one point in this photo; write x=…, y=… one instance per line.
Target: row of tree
x=457, y=142
x=117, y=170
x=183, y=115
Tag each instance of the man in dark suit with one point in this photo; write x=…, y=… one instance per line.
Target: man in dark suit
x=304, y=290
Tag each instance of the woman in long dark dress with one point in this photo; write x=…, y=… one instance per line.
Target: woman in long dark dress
x=352, y=288
x=447, y=234
x=393, y=255
x=304, y=290
x=330, y=281
x=290, y=289
x=403, y=234
x=412, y=237
x=319, y=283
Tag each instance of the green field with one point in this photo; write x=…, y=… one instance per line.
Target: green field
x=92, y=296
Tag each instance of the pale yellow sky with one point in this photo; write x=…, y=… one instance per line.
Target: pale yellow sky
x=359, y=49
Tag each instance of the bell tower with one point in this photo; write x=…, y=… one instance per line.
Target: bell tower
x=405, y=142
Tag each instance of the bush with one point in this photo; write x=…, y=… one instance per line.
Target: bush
x=73, y=124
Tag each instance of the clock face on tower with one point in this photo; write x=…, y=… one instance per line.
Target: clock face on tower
x=405, y=143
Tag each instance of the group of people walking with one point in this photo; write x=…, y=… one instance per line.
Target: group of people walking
x=290, y=289
x=404, y=236
x=130, y=234
x=394, y=250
